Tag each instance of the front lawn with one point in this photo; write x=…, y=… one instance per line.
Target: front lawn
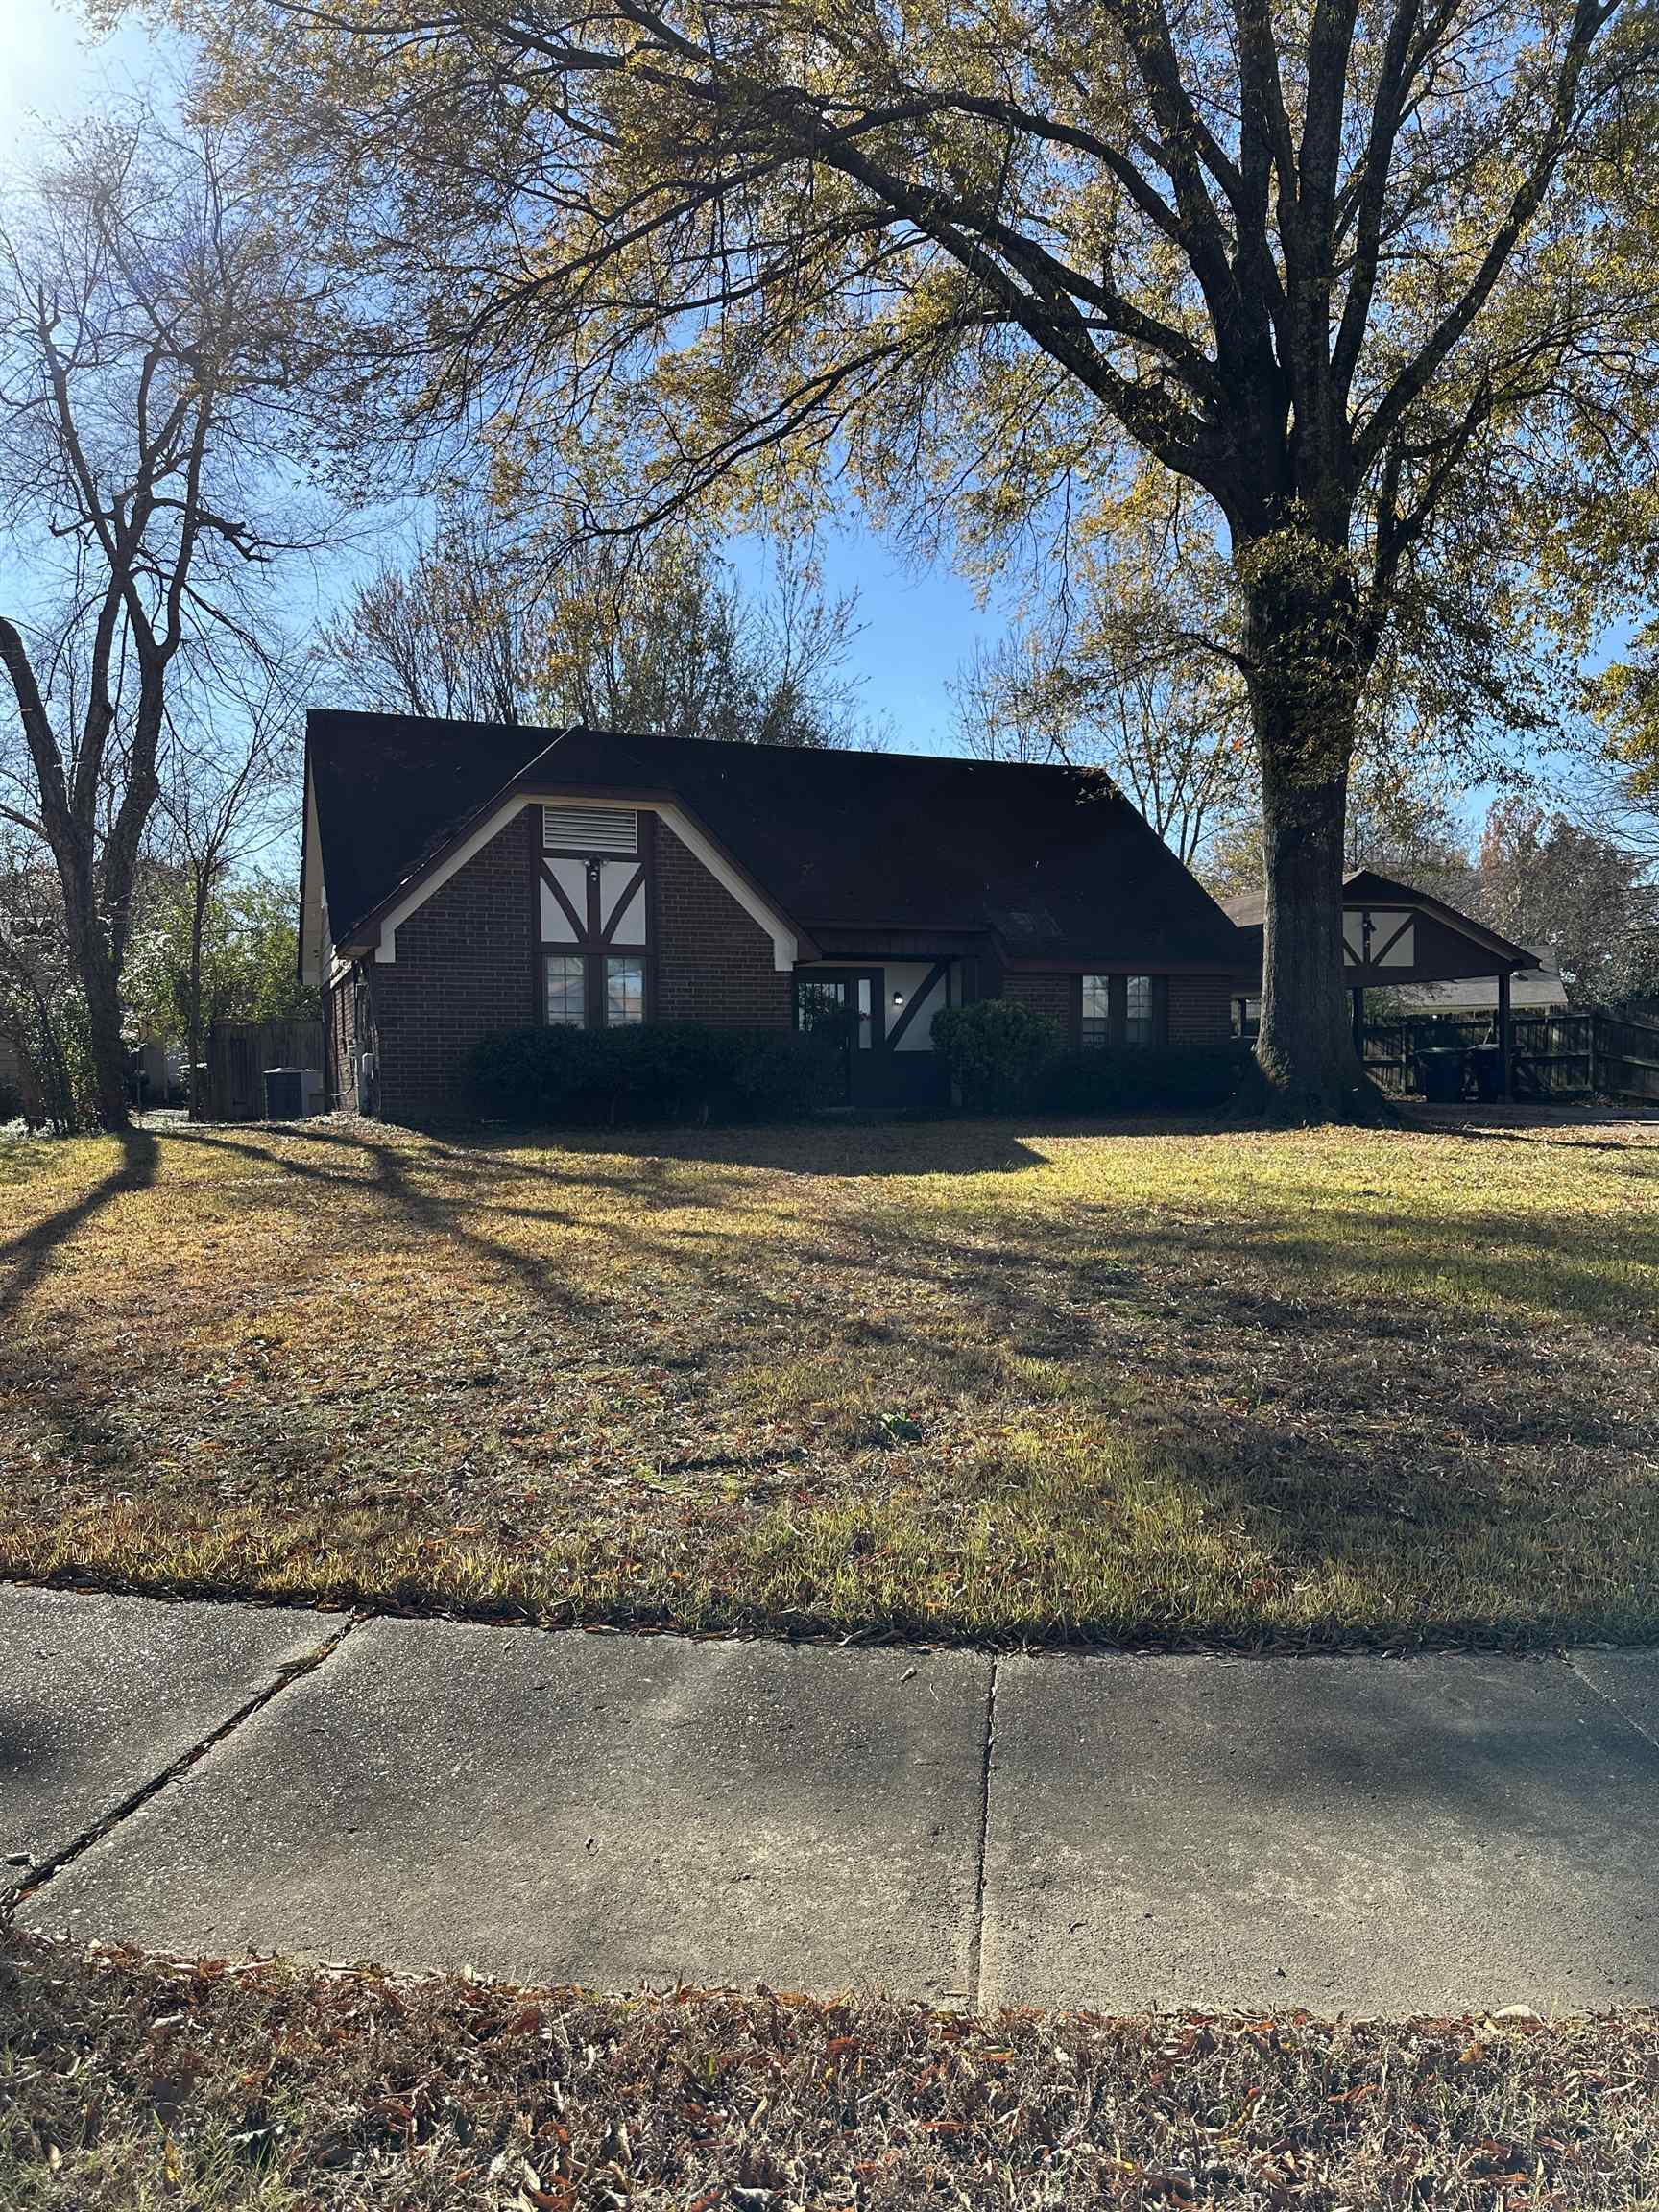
x=132, y=2083
x=962, y=1380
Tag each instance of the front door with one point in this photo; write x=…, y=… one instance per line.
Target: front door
x=836, y=1011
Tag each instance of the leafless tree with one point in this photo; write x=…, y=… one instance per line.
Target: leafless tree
x=618, y=635
x=40, y=1009
x=1545, y=880
x=229, y=789
x=1165, y=739
x=154, y=321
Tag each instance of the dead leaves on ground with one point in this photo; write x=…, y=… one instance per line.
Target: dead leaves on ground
x=350, y=2091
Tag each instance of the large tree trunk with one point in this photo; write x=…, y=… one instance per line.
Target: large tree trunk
x=193, y=1022
x=1305, y=1047
x=103, y=988
x=1307, y=655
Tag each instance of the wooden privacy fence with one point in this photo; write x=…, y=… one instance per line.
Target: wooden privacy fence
x=1572, y=1055
x=1627, y=1057
x=238, y=1054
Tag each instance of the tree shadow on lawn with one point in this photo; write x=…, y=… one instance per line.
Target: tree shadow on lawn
x=1358, y=1271
x=1515, y=1268
x=430, y=1212
x=1566, y=1262
x=1563, y=1267
x=24, y=1259
x=1521, y=1122
x=1336, y=1430
x=1640, y=1158
x=633, y=1165
x=910, y=1149
x=1320, y=1413
x=1222, y=1294
x=64, y=1404
x=1333, y=1431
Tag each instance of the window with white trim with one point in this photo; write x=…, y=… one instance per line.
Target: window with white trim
x=1096, y=1010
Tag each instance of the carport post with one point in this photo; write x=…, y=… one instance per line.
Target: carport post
x=1504, y=1033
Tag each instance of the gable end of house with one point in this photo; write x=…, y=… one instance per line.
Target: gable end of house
x=621, y=879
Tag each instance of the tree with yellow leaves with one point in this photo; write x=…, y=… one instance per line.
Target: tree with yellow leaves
x=1370, y=278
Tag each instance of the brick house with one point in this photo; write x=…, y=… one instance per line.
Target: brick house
x=459, y=879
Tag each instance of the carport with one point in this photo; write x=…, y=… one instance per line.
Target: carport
x=1393, y=934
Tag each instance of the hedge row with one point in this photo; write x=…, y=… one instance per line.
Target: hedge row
x=1003, y=1057
x=657, y=1071
x=995, y=1050
x=1167, y=1079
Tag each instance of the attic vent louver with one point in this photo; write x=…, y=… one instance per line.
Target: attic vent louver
x=589, y=829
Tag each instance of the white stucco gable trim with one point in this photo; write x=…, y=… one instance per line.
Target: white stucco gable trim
x=785, y=944
x=313, y=907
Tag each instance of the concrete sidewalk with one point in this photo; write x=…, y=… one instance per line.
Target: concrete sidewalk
x=1116, y=1833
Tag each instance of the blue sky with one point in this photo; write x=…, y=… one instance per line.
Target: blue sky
x=918, y=627
x=49, y=70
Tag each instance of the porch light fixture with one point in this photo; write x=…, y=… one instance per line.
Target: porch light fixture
x=898, y=998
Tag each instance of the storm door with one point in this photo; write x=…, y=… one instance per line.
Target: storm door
x=839, y=1014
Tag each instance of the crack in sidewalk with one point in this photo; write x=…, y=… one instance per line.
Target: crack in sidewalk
x=977, y=1951
x=292, y=1671
x=1612, y=1703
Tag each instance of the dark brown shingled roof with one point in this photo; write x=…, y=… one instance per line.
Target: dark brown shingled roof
x=1053, y=861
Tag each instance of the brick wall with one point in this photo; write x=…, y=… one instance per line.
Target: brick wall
x=713, y=962
x=465, y=967
x=1200, y=1009
x=462, y=969
x=1059, y=996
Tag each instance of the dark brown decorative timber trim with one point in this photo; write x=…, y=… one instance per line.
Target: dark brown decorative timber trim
x=940, y=972
x=594, y=940
x=1374, y=957
x=634, y=884
x=554, y=885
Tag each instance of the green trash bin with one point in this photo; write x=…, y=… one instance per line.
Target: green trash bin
x=1440, y=1073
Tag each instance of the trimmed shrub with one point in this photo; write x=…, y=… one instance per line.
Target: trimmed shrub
x=1169, y=1079
x=996, y=1050
x=650, y=1072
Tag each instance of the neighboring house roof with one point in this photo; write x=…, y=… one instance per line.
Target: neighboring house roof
x=1365, y=887
x=1538, y=991
x=1052, y=861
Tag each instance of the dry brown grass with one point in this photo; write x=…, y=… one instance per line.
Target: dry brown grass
x=127, y=2082
x=962, y=1380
